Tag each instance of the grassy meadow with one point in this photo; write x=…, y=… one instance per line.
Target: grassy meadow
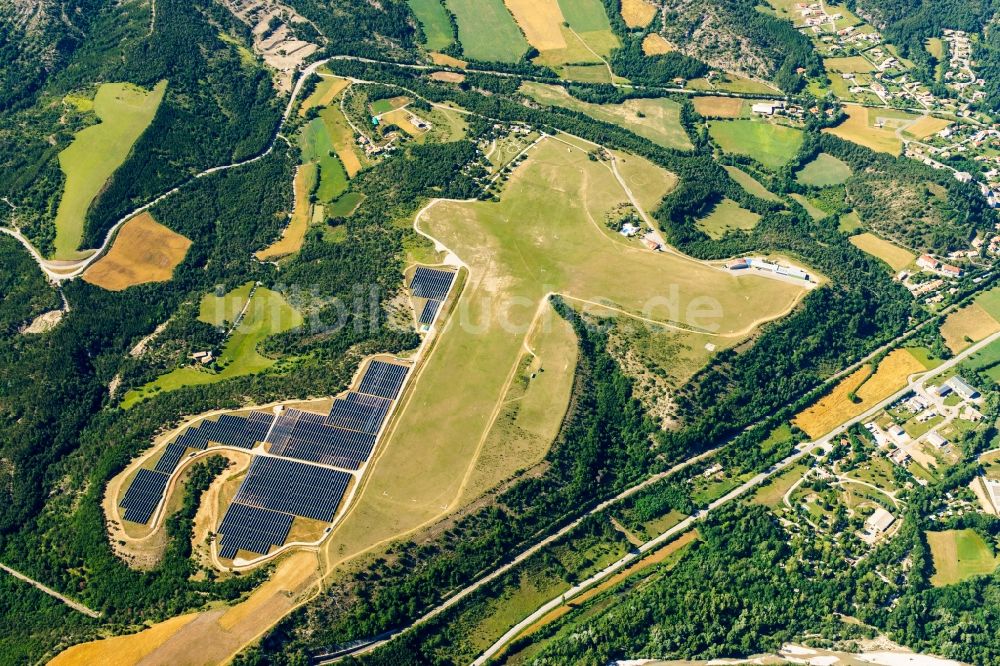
x=434, y=22
x=824, y=171
x=771, y=145
x=125, y=112
x=487, y=31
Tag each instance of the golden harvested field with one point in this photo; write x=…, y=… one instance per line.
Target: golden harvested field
x=836, y=407
x=401, y=119
x=897, y=257
x=293, y=235
x=326, y=90
x=541, y=21
x=143, y=251
x=971, y=322
x=655, y=44
x=448, y=77
x=447, y=60
x=122, y=650
x=719, y=107
x=638, y=13
x=859, y=128
x=927, y=126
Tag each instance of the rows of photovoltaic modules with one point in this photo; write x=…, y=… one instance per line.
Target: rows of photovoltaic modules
x=276, y=490
x=147, y=488
x=433, y=285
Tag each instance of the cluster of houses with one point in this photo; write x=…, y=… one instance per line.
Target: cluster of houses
x=932, y=264
x=960, y=76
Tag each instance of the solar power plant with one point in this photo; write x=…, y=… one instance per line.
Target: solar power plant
x=429, y=311
x=253, y=529
x=143, y=495
x=383, y=379
x=168, y=461
x=357, y=411
x=431, y=283
x=192, y=439
x=292, y=487
x=239, y=431
x=305, y=436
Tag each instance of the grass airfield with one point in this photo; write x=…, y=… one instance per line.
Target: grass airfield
x=546, y=234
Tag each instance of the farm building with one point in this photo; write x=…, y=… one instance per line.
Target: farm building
x=767, y=108
x=880, y=521
x=936, y=439
x=963, y=388
x=927, y=261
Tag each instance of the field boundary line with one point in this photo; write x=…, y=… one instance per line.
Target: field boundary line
x=75, y=605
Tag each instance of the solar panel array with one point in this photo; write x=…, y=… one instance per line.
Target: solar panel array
x=240, y=431
x=170, y=458
x=383, y=379
x=358, y=411
x=143, y=496
x=305, y=436
x=293, y=487
x=431, y=283
x=253, y=529
x=430, y=310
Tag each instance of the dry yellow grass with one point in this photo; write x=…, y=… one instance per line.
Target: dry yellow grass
x=447, y=61
x=655, y=44
x=836, y=407
x=540, y=20
x=718, y=107
x=638, y=13
x=144, y=251
x=122, y=650
x=328, y=88
x=972, y=322
x=293, y=235
x=401, y=119
x=897, y=257
x=926, y=126
x=448, y=77
x=858, y=129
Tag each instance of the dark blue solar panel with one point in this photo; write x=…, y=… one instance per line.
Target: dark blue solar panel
x=291, y=487
x=143, y=496
x=232, y=430
x=429, y=311
x=171, y=456
x=383, y=379
x=431, y=283
x=253, y=529
x=358, y=411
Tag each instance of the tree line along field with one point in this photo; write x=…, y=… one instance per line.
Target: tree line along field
x=487, y=31
x=124, y=111
x=545, y=234
x=434, y=22
x=896, y=257
x=655, y=119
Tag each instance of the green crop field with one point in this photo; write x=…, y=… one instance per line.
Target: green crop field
x=317, y=146
x=655, y=119
x=751, y=184
x=487, y=31
x=771, y=145
x=434, y=22
x=824, y=171
x=990, y=301
x=125, y=112
x=588, y=19
x=849, y=223
x=727, y=216
x=545, y=234
x=268, y=314
x=958, y=555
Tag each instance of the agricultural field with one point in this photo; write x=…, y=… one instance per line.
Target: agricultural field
x=401, y=118
x=959, y=555
x=648, y=182
x=868, y=388
x=812, y=209
x=771, y=145
x=990, y=301
x=849, y=223
x=848, y=65
x=659, y=122
x=655, y=44
x=541, y=21
x=430, y=452
x=487, y=31
x=571, y=36
x=638, y=13
x=143, y=251
x=342, y=138
x=862, y=127
x=327, y=89
x=434, y=22
x=267, y=314
x=771, y=494
x=381, y=106
x=895, y=256
x=720, y=107
x=964, y=327
x=926, y=126
x=125, y=112
x=727, y=216
x=317, y=145
x=824, y=171
x=751, y=184
x=295, y=233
